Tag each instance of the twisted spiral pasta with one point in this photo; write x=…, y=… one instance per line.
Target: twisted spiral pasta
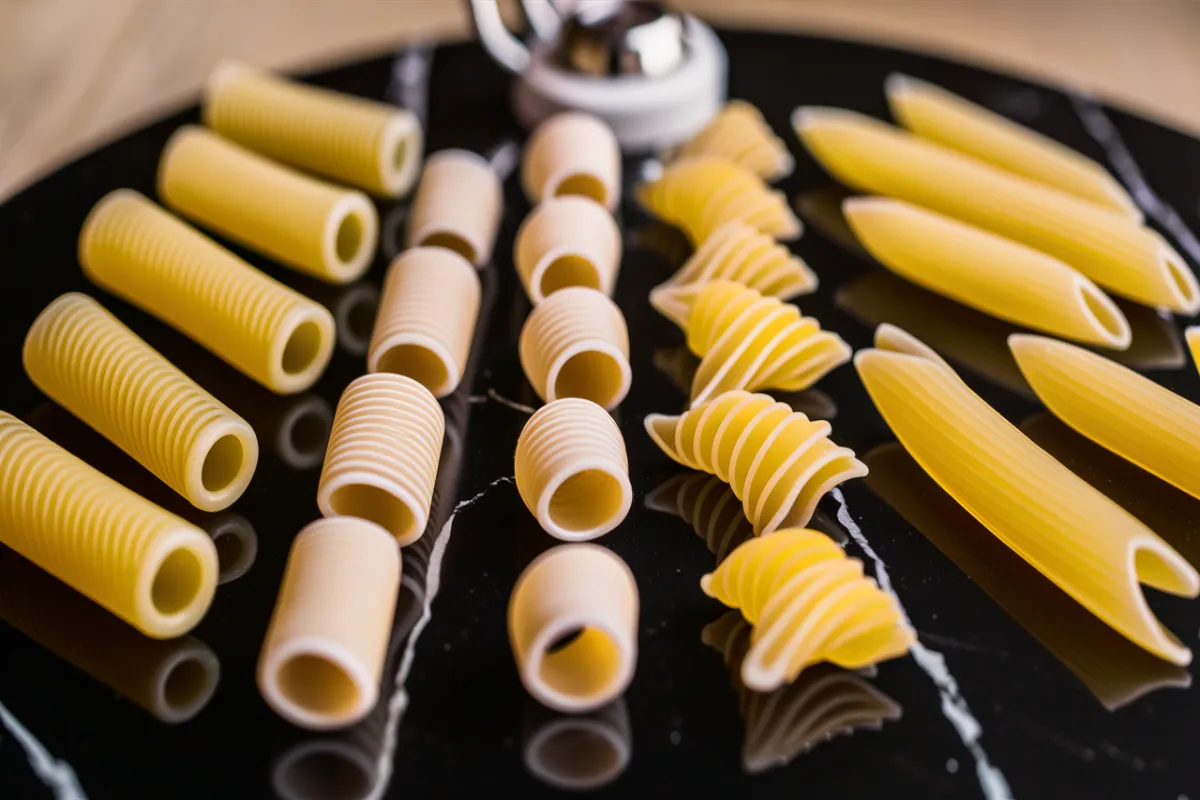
x=777, y=461
x=709, y=506
x=741, y=135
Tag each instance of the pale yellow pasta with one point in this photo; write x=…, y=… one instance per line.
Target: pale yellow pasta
x=1082, y=541
x=987, y=272
x=741, y=135
x=707, y=504
x=567, y=241
x=933, y=113
x=572, y=153
x=1115, y=252
x=457, y=206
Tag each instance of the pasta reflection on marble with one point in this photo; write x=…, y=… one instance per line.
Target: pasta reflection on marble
x=822, y=209
x=1156, y=341
x=353, y=307
x=296, y=428
x=576, y=752
x=707, y=504
x=237, y=545
x=665, y=241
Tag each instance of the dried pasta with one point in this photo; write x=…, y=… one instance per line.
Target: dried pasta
x=1074, y=535
x=364, y=143
x=586, y=595
x=740, y=134
x=457, y=206
x=572, y=153
x=575, y=344
x=567, y=241
x=1192, y=336
x=777, y=461
x=320, y=229
x=987, y=272
x=707, y=504
x=134, y=249
x=572, y=470
x=1115, y=252
x=427, y=317
x=383, y=455
x=577, y=752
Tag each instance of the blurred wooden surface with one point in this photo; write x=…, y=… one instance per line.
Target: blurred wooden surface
x=74, y=73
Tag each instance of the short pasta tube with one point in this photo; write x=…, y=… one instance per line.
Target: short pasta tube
x=572, y=625
x=572, y=153
x=136, y=250
x=572, y=471
x=146, y=565
x=84, y=359
x=567, y=241
x=427, y=317
x=315, y=227
x=323, y=655
x=457, y=206
x=374, y=146
x=383, y=453
x=576, y=344
x=741, y=135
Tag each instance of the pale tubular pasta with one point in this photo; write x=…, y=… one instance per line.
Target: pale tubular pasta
x=571, y=470
x=318, y=228
x=707, y=504
x=933, y=113
x=567, y=241
x=747, y=341
x=986, y=272
x=735, y=252
x=426, y=320
x=577, y=752
x=575, y=344
x=1114, y=251
x=584, y=591
x=777, y=461
x=324, y=650
x=807, y=602
x=364, y=143
x=457, y=205
x=700, y=195
x=1115, y=407
x=572, y=153
x=740, y=134
x=1085, y=543
x=383, y=455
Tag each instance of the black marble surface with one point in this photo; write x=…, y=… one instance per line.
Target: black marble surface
x=1048, y=691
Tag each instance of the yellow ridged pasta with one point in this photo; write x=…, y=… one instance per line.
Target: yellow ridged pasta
x=741, y=135
x=383, y=455
x=1114, y=251
x=707, y=504
x=584, y=591
x=808, y=602
x=777, y=461
x=426, y=320
x=986, y=272
x=577, y=752
x=323, y=653
x=567, y=241
x=457, y=205
x=1074, y=535
x=747, y=341
x=575, y=344
x=364, y=143
x=734, y=252
x=147, y=566
x=134, y=249
x=572, y=470
x=572, y=153
x=935, y=114
x=700, y=195
x=84, y=359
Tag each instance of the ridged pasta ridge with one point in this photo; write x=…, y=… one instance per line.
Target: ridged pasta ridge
x=457, y=205
x=740, y=134
x=567, y=241
x=572, y=153
x=707, y=504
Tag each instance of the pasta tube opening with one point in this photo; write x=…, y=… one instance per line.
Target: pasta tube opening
x=223, y=464
x=318, y=684
x=588, y=186
x=178, y=582
x=1105, y=314
x=568, y=270
x=449, y=241
x=1180, y=279
x=594, y=375
x=420, y=362
x=375, y=504
x=585, y=501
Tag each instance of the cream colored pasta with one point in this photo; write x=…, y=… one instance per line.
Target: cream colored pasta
x=457, y=206
x=567, y=241
x=707, y=504
x=741, y=135
x=572, y=153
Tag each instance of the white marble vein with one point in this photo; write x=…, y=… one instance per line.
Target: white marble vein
x=57, y=775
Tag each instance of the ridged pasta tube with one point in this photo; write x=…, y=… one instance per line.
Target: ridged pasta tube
x=572, y=153
x=987, y=272
x=324, y=650
x=700, y=195
x=575, y=344
x=457, y=206
x=1114, y=251
x=567, y=241
x=1089, y=546
x=734, y=252
x=582, y=590
x=84, y=359
x=318, y=228
x=136, y=250
x=364, y=143
x=383, y=455
x=572, y=470
x=741, y=135
x=777, y=461
x=426, y=320
x=808, y=602
x=147, y=566
x=707, y=504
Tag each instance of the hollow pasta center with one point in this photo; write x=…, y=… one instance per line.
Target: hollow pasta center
x=586, y=500
x=374, y=504
x=583, y=668
x=1102, y=312
x=317, y=685
x=177, y=582
x=566, y=271
x=309, y=433
x=349, y=237
x=222, y=464
x=416, y=362
x=450, y=241
x=585, y=185
x=302, y=348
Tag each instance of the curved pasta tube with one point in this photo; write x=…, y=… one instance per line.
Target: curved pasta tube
x=777, y=461
x=935, y=114
x=987, y=272
x=1115, y=252
x=457, y=206
x=740, y=134
x=567, y=241
x=707, y=504
x=1074, y=535
x=700, y=195
x=735, y=252
x=572, y=153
